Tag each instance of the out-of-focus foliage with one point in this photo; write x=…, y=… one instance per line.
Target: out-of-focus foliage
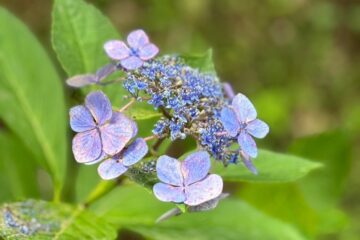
x=298, y=60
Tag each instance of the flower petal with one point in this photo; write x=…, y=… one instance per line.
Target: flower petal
x=79, y=81
x=135, y=152
x=203, y=191
x=105, y=71
x=99, y=159
x=81, y=119
x=116, y=50
x=230, y=121
x=110, y=169
x=86, y=146
x=257, y=128
x=137, y=39
x=99, y=105
x=244, y=109
x=168, y=193
x=247, y=144
x=195, y=167
x=248, y=163
x=116, y=134
x=148, y=51
x=131, y=63
x=169, y=170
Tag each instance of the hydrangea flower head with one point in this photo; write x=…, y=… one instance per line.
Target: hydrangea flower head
x=239, y=120
x=119, y=163
x=100, y=130
x=133, y=55
x=187, y=182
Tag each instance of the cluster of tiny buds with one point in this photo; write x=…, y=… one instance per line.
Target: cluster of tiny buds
x=193, y=103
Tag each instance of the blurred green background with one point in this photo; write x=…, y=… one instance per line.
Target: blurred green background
x=297, y=60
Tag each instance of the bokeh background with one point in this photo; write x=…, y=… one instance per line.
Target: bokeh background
x=297, y=60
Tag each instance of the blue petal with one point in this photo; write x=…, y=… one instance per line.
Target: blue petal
x=230, y=122
x=248, y=163
x=116, y=50
x=195, y=167
x=243, y=108
x=203, y=191
x=81, y=119
x=247, y=144
x=137, y=39
x=110, y=169
x=131, y=63
x=148, y=51
x=135, y=152
x=168, y=193
x=81, y=80
x=169, y=170
x=86, y=146
x=99, y=105
x=257, y=128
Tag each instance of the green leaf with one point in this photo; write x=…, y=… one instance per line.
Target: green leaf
x=79, y=32
x=204, y=62
x=17, y=169
x=142, y=111
x=272, y=167
x=31, y=96
x=43, y=220
x=133, y=208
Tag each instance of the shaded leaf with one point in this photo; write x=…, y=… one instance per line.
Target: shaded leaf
x=31, y=96
x=204, y=62
x=272, y=167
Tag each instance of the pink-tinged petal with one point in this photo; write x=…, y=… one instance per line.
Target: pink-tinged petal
x=148, y=51
x=86, y=146
x=257, y=128
x=169, y=170
x=110, y=169
x=168, y=193
x=116, y=134
x=99, y=105
x=137, y=39
x=99, y=159
x=195, y=167
x=230, y=121
x=134, y=128
x=203, y=191
x=229, y=91
x=116, y=50
x=81, y=119
x=79, y=81
x=105, y=71
x=131, y=63
x=243, y=108
x=248, y=163
x=135, y=152
x=247, y=144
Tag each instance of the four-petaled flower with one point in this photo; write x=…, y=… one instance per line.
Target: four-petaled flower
x=239, y=120
x=119, y=163
x=187, y=182
x=140, y=49
x=100, y=130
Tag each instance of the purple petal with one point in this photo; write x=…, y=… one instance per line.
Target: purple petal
x=134, y=128
x=195, y=167
x=135, y=152
x=168, y=193
x=230, y=121
x=257, y=128
x=81, y=119
x=244, y=109
x=169, y=170
x=229, y=91
x=81, y=80
x=131, y=63
x=116, y=49
x=105, y=71
x=247, y=144
x=148, y=51
x=110, y=169
x=99, y=159
x=203, y=191
x=248, y=163
x=137, y=39
x=116, y=134
x=86, y=146
x=99, y=105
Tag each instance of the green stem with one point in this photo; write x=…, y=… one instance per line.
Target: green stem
x=100, y=190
